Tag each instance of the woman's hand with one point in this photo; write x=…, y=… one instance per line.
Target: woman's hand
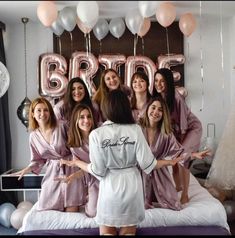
x=70, y=178
x=202, y=154
x=21, y=173
x=69, y=163
x=176, y=160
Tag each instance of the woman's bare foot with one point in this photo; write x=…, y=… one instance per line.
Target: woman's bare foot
x=184, y=198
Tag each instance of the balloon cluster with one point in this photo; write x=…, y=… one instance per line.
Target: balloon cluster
x=136, y=20
x=12, y=216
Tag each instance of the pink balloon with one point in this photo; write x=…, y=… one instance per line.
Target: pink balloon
x=167, y=61
x=135, y=62
x=187, y=24
x=82, y=27
x=52, y=68
x=112, y=61
x=166, y=14
x=86, y=74
x=47, y=12
x=145, y=27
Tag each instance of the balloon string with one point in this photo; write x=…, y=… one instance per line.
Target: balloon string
x=142, y=45
x=59, y=45
x=167, y=42
x=87, y=46
x=89, y=41
x=135, y=45
x=71, y=46
x=222, y=53
x=100, y=47
x=202, y=73
x=188, y=63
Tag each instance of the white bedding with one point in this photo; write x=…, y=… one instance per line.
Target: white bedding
x=203, y=210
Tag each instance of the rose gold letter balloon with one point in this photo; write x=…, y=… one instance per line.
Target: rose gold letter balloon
x=135, y=62
x=87, y=74
x=52, y=68
x=112, y=61
x=167, y=61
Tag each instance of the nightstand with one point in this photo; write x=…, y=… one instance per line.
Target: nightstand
x=30, y=184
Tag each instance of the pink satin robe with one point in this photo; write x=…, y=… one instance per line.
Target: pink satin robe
x=89, y=185
x=159, y=185
x=54, y=195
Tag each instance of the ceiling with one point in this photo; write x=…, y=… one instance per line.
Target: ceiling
x=11, y=12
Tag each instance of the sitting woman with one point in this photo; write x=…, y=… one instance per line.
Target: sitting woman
x=81, y=124
x=47, y=141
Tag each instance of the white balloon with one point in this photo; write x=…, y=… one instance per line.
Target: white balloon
x=147, y=8
x=4, y=79
x=101, y=29
x=88, y=12
x=25, y=204
x=6, y=210
x=134, y=21
x=17, y=217
x=117, y=27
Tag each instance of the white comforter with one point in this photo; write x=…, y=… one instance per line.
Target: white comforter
x=203, y=209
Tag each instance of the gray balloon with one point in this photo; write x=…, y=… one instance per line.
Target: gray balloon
x=101, y=29
x=117, y=27
x=6, y=209
x=23, y=111
x=57, y=28
x=68, y=18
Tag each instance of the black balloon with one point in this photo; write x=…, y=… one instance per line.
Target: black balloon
x=23, y=111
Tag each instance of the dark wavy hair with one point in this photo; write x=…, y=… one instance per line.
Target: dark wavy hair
x=170, y=94
x=117, y=108
x=69, y=103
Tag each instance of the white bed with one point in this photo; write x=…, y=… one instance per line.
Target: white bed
x=202, y=210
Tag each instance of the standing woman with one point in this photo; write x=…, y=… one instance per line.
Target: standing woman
x=158, y=185
x=47, y=142
x=81, y=124
x=141, y=95
x=109, y=81
x=187, y=128
x=116, y=148
x=76, y=93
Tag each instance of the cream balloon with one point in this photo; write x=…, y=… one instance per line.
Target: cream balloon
x=17, y=217
x=82, y=27
x=25, y=204
x=166, y=14
x=47, y=12
x=145, y=27
x=187, y=24
x=147, y=8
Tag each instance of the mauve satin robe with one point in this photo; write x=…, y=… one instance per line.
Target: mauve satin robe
x=159, y=183
x=89, y=185
x=55, y=195
x=185, y=122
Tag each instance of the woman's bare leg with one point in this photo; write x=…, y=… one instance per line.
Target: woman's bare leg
x=128, y=231
x=72, y=209
x=108, y=230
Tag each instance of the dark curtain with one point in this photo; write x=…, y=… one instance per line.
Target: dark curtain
x=5, y=135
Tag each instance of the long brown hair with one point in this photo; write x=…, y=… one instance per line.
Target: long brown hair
x=33, y=124
x=164, y=126
x=74, y=133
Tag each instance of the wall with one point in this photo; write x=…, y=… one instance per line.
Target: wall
x=216, y=100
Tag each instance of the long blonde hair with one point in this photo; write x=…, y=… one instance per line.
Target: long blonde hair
x=101, y=94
